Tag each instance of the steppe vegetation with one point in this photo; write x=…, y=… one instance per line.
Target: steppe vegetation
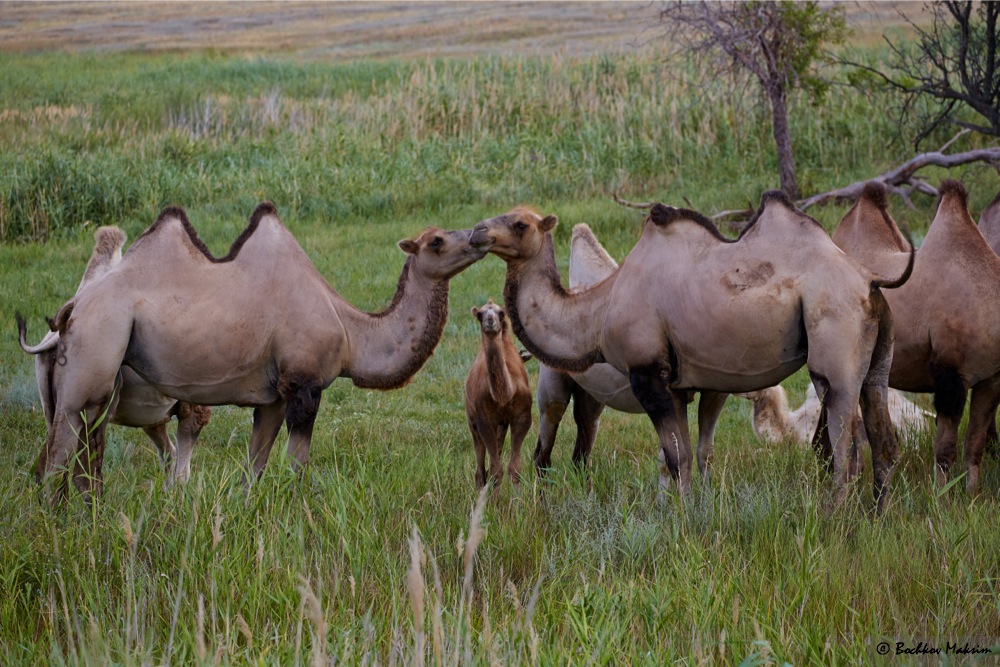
x=375, y=553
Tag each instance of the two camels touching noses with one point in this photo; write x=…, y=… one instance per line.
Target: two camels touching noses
x=279, y=363
x=689, y=310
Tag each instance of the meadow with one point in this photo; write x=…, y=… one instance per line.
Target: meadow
x=379, y=551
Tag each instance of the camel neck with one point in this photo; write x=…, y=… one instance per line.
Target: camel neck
x=495, y=349
x=561, y=329
x=389, y=347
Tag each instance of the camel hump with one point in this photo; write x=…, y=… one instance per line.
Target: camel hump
x=875, y=192
x=662, y=215
x=953, y=188
x=777, y=196
x=171, y=213
x=589, y=262
x=263, y=210
x=108, y=243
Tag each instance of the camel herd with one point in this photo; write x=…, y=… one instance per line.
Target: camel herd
x=688, y=312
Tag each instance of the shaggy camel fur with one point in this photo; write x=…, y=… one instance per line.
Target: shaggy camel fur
x=138, y=404
x=774, y=421
x=602, y=384
x=989, y=223
x=947, y=315
x=497, y=397
x=257, y=328
x=689, y=310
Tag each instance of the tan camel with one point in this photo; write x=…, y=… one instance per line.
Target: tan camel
x=947, y=315
x=989, y=223
x=139, y=405
x=775, y=421
x=497, y=397
x=257, y=328
x=690, y=310
x=600, y=385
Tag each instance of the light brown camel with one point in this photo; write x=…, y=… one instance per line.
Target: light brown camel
x=257, y=328
x=989, y=223
x=138, y=404
x=947, y=315
x=497, y=397
x=602, y=384
x=775, y=421
x=690, y=310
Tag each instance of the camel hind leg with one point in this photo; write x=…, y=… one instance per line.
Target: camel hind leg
x=875, y=412
x=587, y=416
x=710, y=405
x=554, y=391
x=950, y=394
x=158, y=435
x=191, y=419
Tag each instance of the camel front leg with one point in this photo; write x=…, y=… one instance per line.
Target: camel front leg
x=841, y=406
x=480, y=446
x=300, y=415
x=650, y=388
x=518, y=432
x=191, y=419
x=949, y=402
x=495, y=450
x=710, y=405
x=982, y=414
x=266, y=424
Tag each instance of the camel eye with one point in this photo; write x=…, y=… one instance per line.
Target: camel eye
x=501, y=314
x=520, y=226
x=437, y=242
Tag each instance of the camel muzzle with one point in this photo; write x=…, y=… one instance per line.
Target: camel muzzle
x=481, y=239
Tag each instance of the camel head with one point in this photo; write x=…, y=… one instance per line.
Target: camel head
x=441, y=255
x=492, y=318
x=515, y=236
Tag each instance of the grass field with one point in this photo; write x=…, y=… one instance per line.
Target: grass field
x=378, y=552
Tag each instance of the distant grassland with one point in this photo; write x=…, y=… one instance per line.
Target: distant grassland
x=570, y=570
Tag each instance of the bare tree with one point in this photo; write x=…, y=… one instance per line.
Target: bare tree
x=776, y=43
x=952, y=65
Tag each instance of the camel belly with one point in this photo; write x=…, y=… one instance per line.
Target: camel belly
x=609, y=386
x=694, y=376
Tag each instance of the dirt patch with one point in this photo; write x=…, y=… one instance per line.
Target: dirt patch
x=350, y=30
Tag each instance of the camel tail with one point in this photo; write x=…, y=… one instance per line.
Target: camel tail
x=901, y=280
x=48, y=343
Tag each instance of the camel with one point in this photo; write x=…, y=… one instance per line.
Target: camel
x=947, y=316
x=497, y=397
x=257, y=328
x=989, y=223
x=691, y=310
x=601, y=385
x=139, y=405
x=774, y=421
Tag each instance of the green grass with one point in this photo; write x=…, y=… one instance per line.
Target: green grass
x=568, y=569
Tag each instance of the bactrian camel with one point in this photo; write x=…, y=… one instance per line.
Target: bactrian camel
x=497, y=397
x=137, y=404
x=947, y=315
x=689, y=310
x=602, y=384
x=259, y=328
x=775, y=421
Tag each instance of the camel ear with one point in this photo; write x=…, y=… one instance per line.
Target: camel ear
x=548, y=223
x=409, y=246
x=475, y=312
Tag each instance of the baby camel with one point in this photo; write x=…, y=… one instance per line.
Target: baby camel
x=497, y=397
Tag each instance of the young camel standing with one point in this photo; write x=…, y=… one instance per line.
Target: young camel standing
x=497, y=397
